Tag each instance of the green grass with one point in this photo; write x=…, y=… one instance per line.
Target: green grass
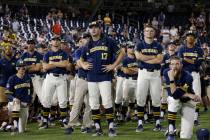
x=125, y=132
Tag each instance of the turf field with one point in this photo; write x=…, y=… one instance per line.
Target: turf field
x=125, y=132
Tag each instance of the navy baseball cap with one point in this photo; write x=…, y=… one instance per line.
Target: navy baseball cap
x=202, y=134
x=56, y=38
x=31, y=41
x=20, y=63
x=130, y=44
x=94, y=24
x=190, y=33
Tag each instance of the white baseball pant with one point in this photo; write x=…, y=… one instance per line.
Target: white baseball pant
x=119, y=90
x=37, y=82
x=129, y=91
x=148, y=82
x=52, y=84
x=97, y=89
x=187, y=115
x=23, y=118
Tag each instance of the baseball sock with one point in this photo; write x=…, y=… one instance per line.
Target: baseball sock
x=96, y=117
x=140, y=115
x=163, y=109
x=45, y=114
x=156, y=114
x=171, y=121
x=53, y=111
x=196, y=112
x=110, y=117
x=63, y=114
x=15, y=118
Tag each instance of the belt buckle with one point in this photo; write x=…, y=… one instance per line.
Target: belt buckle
x=150, y=70
x=56, y=75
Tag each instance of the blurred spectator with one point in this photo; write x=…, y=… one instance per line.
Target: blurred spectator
x=56, y=28
x=161, y=19
x=49, y=16
x=41, y=39
x=174, y=33
x=1, y=10
x=155, y=22
x=15, y=25
x=107, y=21
x=24, y=11
x=59, y=14
x=165, y=33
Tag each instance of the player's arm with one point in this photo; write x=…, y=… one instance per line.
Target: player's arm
x=143, y=57
x=118, y=60
x=47, y=66
x=61, y=64
x=34, y=67
x=130, y=71
x=157, y=60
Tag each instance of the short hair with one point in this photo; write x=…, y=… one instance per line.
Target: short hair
x=149, y=25
x=175, y=58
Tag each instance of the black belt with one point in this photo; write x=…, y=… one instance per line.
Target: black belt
x=131, y=78
x=83, y=78
x=57, y=75
x=149, y=70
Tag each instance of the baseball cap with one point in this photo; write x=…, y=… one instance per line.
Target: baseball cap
x=41, y=46
x=94, y=23
x=130, y=44
x=20, y=63
x=202, y=134
x=31, y=41
x=55, y=38
x=190, y=33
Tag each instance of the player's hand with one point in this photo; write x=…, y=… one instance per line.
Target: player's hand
x=171, y=74
x=108, y=68
x=194, y=97
x=87, y=65
x=16, y=100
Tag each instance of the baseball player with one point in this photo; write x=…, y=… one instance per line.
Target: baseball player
x=130, y=69
x=149, y=54
x=119, y=91
x=81, y=93
x=54, y=63
x=97, y=58
x=181, y=95
x=33, y=61
x=171, y=47
x=192, y=56
x=19, y=91
x=7, y=69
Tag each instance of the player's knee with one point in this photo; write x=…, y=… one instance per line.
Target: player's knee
x=156, y=103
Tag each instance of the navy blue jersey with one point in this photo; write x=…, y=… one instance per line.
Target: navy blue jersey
x=31, y=59
x=58, y=56
x=183, y=84
x=166, y=62
x=80, y=72
x=7, y=69
x=20, y=88
x=99, y=53
x=130, y=63
x=195, y=53
x=149, y=49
